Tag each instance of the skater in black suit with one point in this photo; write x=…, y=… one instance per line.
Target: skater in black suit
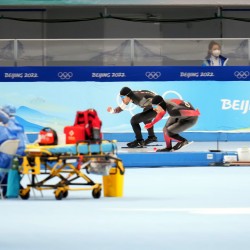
x=182, y=116
x=143, y=99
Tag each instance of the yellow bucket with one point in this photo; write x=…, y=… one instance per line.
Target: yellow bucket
x=113, y=183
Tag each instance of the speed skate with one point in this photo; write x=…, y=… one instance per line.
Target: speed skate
x=185, y=145
x=143, y=146
x=178, y=146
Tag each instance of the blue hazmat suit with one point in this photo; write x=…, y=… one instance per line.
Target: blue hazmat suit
x=10, y=129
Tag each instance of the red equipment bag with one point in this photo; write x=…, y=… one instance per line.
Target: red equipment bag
x=74, y=134
x=47, y=136
x=87, y=126
x=90, y=121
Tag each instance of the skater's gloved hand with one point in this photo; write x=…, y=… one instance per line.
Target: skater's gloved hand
x=110, y=110
x=149, y=125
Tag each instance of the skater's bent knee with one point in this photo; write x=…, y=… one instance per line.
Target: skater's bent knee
x=134, y=120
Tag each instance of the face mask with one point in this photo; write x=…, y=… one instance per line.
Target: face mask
x=216, y=52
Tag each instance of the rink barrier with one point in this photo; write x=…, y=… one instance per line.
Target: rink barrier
x=191, y=136
x=174, y=159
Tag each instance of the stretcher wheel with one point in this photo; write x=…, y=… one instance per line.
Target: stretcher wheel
x=59, y=195
x=65, y=194
x=24, y=195
x=96, y=193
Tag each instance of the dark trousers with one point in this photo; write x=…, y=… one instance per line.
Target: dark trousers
x=146, y=116
x=174, y=126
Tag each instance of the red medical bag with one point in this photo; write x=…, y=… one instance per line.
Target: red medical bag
x=87, y=126
x=47, y=136
x=74, y=134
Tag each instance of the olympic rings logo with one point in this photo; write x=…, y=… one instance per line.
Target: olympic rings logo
x=131, y=107
x=153, y=75
x=241, y=74
x=172, y=92
x=65, y=75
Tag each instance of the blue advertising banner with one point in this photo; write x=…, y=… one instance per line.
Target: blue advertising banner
x=124, y=73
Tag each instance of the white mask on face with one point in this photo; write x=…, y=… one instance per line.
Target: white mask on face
x=216, y=52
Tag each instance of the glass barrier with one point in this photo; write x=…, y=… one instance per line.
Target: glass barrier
x=75, y=52
x=7, y=56
x=188, y=52
x=118, y=52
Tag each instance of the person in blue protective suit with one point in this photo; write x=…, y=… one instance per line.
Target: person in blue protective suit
x=10, y=129
x=5, y=160
x=214, y=57
x=15, y=129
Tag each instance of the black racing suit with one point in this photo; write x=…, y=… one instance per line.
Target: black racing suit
x=143, y=99
x=182, y=116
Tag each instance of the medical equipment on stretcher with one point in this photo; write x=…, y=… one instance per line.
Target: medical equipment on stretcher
x=47, y=136
x=66, y=164
x=87, y=126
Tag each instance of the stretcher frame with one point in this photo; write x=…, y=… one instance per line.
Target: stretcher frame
x=60, y=164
